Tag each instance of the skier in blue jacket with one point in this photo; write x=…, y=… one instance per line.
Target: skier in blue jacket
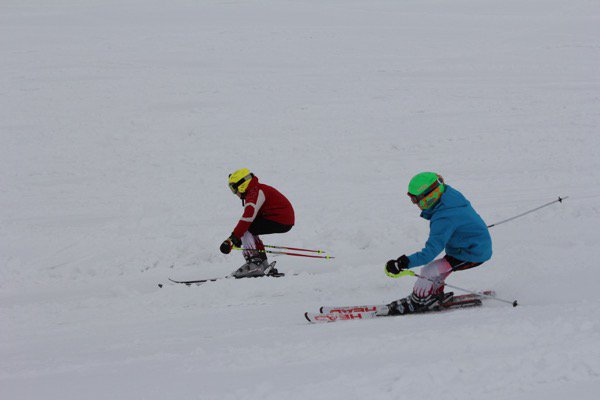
x=454, y=227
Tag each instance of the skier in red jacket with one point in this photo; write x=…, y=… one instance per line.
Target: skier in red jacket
x=266, y=211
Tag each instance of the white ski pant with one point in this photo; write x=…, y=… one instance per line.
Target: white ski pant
x=437, y=271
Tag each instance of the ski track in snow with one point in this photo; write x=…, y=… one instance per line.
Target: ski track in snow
x=120, y=120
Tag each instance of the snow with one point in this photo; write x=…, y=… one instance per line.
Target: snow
x=120, y=120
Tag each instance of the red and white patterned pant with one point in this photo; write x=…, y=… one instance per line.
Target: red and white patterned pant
x=437, y=271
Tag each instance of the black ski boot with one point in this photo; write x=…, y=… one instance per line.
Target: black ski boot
x=415, y=304
x=402, y=306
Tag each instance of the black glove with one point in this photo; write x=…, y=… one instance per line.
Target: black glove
x=228, y=244
x=394, y=267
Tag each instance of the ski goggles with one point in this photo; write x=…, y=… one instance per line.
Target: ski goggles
x=416, y=198
x=235, y=186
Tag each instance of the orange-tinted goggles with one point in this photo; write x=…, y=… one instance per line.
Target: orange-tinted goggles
x=417, y=198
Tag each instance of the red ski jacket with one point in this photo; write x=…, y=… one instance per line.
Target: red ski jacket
x=266, y=202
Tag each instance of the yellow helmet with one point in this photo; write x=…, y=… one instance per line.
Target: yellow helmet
x=239, y=180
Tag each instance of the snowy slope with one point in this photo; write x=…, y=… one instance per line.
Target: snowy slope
x=120, y=120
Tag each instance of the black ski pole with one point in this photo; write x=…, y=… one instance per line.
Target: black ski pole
x=559, y=200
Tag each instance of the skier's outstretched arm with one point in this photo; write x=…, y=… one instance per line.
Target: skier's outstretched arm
x=440, y=233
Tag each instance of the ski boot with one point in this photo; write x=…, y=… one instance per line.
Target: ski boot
x=256, y=267
x=415, y=304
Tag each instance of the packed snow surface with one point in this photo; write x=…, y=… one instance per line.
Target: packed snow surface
x=120, y=120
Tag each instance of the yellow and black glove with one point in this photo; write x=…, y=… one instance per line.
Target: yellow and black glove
x=393, y=268
x=228, y=244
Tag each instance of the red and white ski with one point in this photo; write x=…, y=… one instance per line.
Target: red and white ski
x=383, y=309
x=349, y=313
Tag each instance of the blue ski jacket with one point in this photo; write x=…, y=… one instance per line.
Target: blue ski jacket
x=456, y=228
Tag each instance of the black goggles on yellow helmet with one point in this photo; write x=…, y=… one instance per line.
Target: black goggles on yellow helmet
x=235, y=186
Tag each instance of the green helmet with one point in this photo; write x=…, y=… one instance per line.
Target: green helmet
x=426, y=189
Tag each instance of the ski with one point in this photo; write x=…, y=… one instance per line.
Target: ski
x=350, y=313
x=315, y=318
x=230, y=276
x=201, y=281
x=345, y=315
x=382, y=309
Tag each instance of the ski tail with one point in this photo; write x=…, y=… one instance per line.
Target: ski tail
x=461, y=304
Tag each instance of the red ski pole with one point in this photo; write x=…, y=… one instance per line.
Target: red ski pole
x=294, y=248
x=297, y=254
x=287, y=253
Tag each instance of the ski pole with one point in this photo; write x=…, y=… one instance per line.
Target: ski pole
x=559, y=200
x=411, y=273
x=294, y=248
x=287, y=253
x=298, y=254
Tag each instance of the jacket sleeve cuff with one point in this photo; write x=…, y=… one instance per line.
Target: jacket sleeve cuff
x=414, y=260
